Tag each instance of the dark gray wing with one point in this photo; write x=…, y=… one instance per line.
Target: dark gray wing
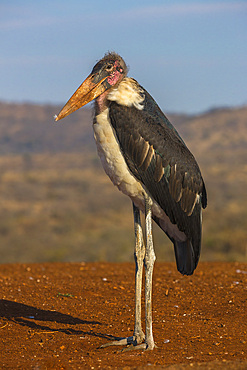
x=160, y=160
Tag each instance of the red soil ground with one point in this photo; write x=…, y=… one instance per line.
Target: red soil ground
x=56, y=316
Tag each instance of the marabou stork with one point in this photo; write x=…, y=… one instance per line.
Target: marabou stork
x=147, y=160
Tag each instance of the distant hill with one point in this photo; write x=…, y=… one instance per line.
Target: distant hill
x=56, y=203
x=31, y=128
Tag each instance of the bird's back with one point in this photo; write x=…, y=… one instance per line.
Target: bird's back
x=159, y=159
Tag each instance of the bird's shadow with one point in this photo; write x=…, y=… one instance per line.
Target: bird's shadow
x=34, y=318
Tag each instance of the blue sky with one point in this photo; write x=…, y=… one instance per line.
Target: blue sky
x=190, y=55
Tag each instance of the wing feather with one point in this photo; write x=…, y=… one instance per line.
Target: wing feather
x=159, y=170
x=141, y=152
x=148, y=158
x=158, y=157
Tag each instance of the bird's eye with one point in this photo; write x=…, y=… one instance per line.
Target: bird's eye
x=109, y=67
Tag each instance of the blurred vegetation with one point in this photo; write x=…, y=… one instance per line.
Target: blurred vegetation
x=57, y=204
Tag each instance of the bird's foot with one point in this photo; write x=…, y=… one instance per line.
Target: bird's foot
x=142, y=347
x=133, y=341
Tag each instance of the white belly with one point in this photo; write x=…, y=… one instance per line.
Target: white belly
x=116, y=168
x=113, y=161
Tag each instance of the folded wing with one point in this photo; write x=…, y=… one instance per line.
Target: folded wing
x=160, y=160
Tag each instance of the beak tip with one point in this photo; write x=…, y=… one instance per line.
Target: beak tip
x=55, y=118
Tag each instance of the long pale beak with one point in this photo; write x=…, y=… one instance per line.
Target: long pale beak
x=85, y=93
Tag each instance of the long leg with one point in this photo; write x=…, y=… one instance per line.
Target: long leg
x=149, y=265
x=138, y=335
x=139, y=257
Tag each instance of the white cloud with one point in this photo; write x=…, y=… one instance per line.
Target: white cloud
x=23, y=23
x=37, y=61
x=30, y=18
x=185, y=9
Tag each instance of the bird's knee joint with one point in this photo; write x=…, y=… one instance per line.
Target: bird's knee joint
x=149, y=261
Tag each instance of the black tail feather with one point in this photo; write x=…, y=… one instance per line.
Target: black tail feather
x=187, y=253
x=185, y=257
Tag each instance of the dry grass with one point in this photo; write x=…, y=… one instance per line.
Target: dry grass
x=54, y=212
x=60, y=206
